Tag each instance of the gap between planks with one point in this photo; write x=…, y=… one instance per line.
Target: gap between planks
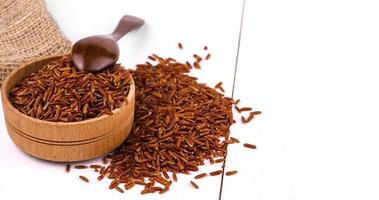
x=234, y=81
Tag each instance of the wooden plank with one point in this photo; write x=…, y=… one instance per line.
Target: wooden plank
x=311, y=67
x=194, y=23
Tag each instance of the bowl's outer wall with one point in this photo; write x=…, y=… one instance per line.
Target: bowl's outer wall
x=65, y=141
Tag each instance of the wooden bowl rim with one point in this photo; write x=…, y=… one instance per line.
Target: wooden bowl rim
x=5, y=98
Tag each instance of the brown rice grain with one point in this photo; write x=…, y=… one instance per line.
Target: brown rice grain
x=219, y=84
x=188, y=64
x=256, y=113
x=229, y=141
x=235, y=139
x=249, y=118
x=139, y=182
x=151, y=58
x=168, y=184
x=83, y=178
x=95, y=166
x=119, y=189
x=197, y=57
x=164, y=190
x=174, y=177
x=68, y=167
x=215, y=173
x=99, y=178
x=145, y=191
x=194, y=185
x=81, y=166
x=245, y=109
x=250, y=146
x=208, y=56
x=165, y=175
x=202, y=175
x=211, y=160
x=161, y=180
x=129, y=185
x=196, y=65
x=230, y=173
x=113, y=184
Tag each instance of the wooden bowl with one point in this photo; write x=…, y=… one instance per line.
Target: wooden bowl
x=65, y=141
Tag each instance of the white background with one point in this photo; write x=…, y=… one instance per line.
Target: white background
x=310, y=66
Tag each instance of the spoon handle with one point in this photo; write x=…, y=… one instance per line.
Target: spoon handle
x=126, y=24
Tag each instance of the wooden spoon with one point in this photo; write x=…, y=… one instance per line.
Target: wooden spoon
x=98, y=52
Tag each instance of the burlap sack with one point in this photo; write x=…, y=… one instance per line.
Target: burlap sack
x=27, y=31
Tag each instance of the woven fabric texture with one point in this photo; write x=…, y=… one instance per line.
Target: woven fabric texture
x=27, y=31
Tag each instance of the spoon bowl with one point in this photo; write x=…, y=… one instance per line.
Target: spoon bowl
x=98, y=52
x=95, y=55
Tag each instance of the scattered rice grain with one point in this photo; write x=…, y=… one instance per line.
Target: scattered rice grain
x=194, y=185
x=250, y=146
x=208, y=56
x=215, y=173
x=68, y=167
x=230, y=173
x=202, y=175
x=83, y=178
x=81, y=166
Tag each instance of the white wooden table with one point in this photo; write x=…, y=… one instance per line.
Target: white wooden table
x=310, y=66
